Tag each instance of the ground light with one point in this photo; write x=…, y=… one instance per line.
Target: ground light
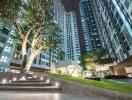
x=10, y=81
x=57, y=84
x=41, y=78
x=23, y=78
x=4, y=81
x=29, y=77
x=48, y=81
x=31, y=73
x=130, y=75
x=34, y=76
x=14, y=79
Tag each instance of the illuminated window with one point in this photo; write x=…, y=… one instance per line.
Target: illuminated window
x=127, y=3
x=7, y=49
x=4, y=59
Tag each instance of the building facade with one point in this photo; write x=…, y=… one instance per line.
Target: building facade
x=59, y=12
x=3, y=37
x=71, y=38
x=114, y=23
x=90, y=31
x=7, y=48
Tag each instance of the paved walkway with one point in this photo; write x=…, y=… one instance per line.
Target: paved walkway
x=43, y=96
x=128, y=81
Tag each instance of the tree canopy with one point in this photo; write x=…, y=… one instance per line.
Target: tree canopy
x=92, y=59
x=33, y=23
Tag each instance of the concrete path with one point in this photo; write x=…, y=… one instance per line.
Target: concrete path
x=128, y=81
x=43, y=96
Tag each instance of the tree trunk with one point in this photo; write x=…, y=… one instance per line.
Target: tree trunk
x=68, y=71
x=50, y=59
x=29, y=63
x=24, y=57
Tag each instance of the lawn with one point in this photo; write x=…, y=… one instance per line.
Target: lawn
x=106, y=84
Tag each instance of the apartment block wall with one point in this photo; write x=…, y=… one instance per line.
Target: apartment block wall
x=115, y=26
x=71, y=40
x=89, y=25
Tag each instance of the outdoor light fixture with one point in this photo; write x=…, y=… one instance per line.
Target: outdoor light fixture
x=35, y=76
x=23, y=78
x=57, y=84
x=10, y=81
x=41, y=78
x=129, y=75
x=29, y=77
x=14, y=79
x=4, y=81
x=31, y=73
x=15, y=71
x=48, y=81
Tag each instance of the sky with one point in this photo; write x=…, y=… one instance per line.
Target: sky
x=70, y=4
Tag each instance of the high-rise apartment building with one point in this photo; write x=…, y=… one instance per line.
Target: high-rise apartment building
x=3, y=37
x=68, y=25
x=59, y=12
x=114, y=24
x=71, y=38
x=91, y=36
x=6, y=47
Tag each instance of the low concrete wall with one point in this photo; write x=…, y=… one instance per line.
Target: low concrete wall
x=80, y=89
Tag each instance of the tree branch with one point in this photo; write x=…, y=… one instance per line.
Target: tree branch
x=28, y=32
x=39, y=32
x=18, y=29
x=29, y=43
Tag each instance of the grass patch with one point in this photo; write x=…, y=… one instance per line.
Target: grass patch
x=106, y=84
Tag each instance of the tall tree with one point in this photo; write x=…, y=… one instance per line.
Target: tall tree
x=33, y=22
x=44, y=41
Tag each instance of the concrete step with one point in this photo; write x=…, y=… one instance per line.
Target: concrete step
x=29, y=81
x=30, y=88
x=27, y=84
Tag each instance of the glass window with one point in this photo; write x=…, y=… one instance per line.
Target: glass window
x=127, y=35
x=127, y=3
x=122, y=54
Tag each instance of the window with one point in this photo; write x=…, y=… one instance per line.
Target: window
x=35, y=61
x=4, y=59
x=7, y=49
x=118, y=56
x=127, y=35
x=127, y=3
x=1, y=50
x=121, y=53
x=2, y=39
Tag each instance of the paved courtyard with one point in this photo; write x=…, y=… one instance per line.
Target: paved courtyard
x=43, y=96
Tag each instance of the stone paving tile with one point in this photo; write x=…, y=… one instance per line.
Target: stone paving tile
x=43, y=96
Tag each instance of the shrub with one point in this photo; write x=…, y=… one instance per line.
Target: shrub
x=115, y=77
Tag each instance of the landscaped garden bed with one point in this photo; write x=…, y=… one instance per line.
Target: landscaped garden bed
x=104, y=83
